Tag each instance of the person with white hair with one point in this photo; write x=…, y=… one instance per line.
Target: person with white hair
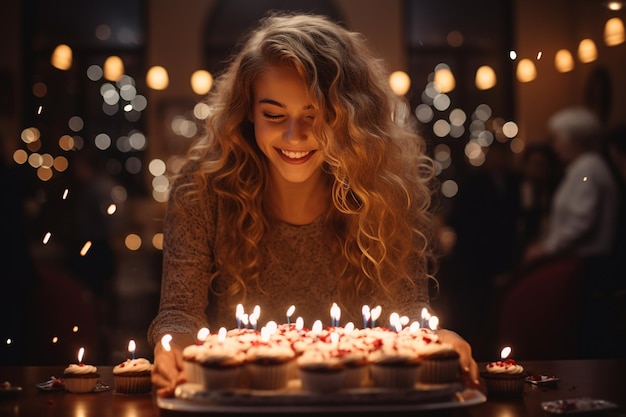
x=583, y=220
x=585, y=205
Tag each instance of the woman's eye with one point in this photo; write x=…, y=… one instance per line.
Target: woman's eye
x=272, y=116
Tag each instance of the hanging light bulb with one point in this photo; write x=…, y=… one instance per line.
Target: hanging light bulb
x=201, y=82
x=587, y=51
x=62, y=57
x=113, y=68
x=444, y=79
x=614, y=32
x=400, y=82
x=526, y=70
x=563, y=61
x=157, y=78
x=485, y=78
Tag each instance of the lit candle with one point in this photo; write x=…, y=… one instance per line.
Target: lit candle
x=81, y=353
x=394, y=321
x=299, y=324
x=238, y=314
x=290, y=311
x=375, y=314
x=425, y=316
x=221, y=334
x=203, y=333
x=131, y=348
x=433, y=323
x=506, y=351
x=365, y=310
x=349, y=327
x=165, y=342
x=414, y=327
x=335, y=314
x=317, y=327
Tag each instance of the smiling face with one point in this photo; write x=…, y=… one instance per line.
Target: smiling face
x=283, y=115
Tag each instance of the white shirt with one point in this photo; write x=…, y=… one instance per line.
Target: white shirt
x=585, y=209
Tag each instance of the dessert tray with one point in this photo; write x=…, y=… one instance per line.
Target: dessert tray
x=193, y=398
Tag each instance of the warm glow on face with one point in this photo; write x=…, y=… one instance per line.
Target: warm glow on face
x=587, y=51
x=400, y=82
x=485, y=78
x=526, y=71
x=62, y=57
x=563, y=61
x=113, y=68
x=157, y=78
x=614, y=32
x=201, y=82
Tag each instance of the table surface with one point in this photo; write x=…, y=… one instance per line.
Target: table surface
x=600, y=379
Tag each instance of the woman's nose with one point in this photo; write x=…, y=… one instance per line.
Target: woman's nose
x=295, y=130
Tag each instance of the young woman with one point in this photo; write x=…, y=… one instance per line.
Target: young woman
x=309, y=187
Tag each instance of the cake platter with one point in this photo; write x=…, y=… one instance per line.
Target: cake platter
x=193, y=398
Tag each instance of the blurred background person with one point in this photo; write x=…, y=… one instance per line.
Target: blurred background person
x=583, y=217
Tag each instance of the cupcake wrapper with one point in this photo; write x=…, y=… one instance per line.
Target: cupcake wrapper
x=193, y=371
x=132, y=384
x=505, y=387
x=221, y=378
x=355, y=377
x=399, y=377
x=267, y=377
x=80, y=385
x=317, y=381
x=435, y=371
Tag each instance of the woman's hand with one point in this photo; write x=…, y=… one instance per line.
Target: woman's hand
x=469, y=368
x=167, y=372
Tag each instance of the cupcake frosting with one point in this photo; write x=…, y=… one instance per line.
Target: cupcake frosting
x=508, y=366
x=80, y=369
x=133, y=365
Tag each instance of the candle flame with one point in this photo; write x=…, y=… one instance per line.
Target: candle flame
x=165, y=342
x=203, y=333
x=81, y=353
x=65, y=193
x=265, y=334
x=290, y=310
x=317, y=326
x=334, y=338
x=335, y=312
x=376, y=311
x=131, y=346
x=425, y=313
x=505, y=352
x=433, y=322
x=349, y=327
x=272, y=327
x=221, y=334
x=365, y=310
x=414, y=327
x=47, y=237
x=299, y=323
x=239, y=310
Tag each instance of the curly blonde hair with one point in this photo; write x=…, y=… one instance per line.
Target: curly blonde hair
x=375, y=160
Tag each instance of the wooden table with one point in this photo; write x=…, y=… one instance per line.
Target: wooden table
x=602, y=379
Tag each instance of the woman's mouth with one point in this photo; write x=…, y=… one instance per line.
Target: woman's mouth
x=295, y=156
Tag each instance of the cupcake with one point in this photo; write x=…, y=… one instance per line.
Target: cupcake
x=267, y=364
x=504, y=378
x=394, y=364
x=320, y=368
x=353, y=353
x=191, y=368
x=221, y=363
x=133, y=376
x=439, y=361
x=80, y=378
